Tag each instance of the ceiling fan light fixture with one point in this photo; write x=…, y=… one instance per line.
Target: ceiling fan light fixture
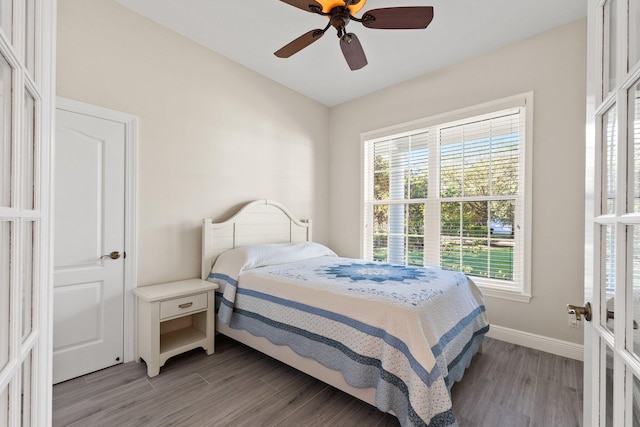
x=354, y=8
x=340, y=12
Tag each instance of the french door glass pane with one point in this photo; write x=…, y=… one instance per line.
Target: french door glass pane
x=6, y=152
x=609, y=158
x=634, y=134
x=5, y=294
x=606, y=381
x=28, y=150
x=634, y=306
x=30, y=46
x=634, y=34
x=610, y=48
x=6, y=17
x=26, y=390
x=609, y=272
x=4, y=407
x=27, y=277
x=635, y=401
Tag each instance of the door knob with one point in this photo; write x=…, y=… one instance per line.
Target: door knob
x=586, y=312
x=112, y=255
x=580, y=311
x=610, y=315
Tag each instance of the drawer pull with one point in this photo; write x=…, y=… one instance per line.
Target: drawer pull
x=182, y=306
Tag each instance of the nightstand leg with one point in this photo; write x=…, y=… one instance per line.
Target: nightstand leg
x=210, y=327
x=153, y=371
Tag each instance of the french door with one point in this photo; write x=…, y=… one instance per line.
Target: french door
x=27, y=47
x=612, y=237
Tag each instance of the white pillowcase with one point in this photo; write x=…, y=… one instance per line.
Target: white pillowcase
x=232, y=262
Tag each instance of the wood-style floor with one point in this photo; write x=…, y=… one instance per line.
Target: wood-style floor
x=506, y=386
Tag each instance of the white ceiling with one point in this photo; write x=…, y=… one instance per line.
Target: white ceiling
x=249, y=31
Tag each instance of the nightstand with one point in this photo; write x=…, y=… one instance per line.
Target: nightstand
x=174, y=317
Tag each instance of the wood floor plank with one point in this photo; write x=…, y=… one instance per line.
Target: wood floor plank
x=357, y=413
x=506, y=385
x=147, y=408
x=114, y=397
x=388, y=420
x=214, y=407
x=512, y=391
x=194, y=361
x=86, y=388
x=273, y=409
x=320, y=410
x=498, y=415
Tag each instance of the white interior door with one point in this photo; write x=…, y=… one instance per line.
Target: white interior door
x=89, y=226
x=612, y=274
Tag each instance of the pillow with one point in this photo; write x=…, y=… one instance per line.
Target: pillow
x=231, y=263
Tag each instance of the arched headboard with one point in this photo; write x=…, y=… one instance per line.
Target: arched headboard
x=260, y=221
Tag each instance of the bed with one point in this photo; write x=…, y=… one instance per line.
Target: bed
x=395, y=337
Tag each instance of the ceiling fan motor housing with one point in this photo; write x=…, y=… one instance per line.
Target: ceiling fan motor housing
x=339, y=18
x=354, y=7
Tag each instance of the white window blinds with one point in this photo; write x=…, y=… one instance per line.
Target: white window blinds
x=480, y=158
x=451, y=194
x=479, y=182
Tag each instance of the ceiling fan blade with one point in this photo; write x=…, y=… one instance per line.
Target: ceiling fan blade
x=398, y=18
x=303, y=4
x=352, y=51
x=300, y=43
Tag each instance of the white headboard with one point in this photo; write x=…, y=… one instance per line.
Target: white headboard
x=261, y=221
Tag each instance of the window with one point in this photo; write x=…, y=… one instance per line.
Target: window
x=453, y=191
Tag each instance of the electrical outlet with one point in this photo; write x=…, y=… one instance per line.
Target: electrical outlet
x=573, y=321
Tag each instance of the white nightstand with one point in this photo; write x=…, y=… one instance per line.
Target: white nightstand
x=174, y=317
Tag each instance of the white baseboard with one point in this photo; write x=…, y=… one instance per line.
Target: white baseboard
x=538, y=342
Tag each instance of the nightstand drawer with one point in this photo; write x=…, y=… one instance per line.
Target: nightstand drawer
x=184, y=305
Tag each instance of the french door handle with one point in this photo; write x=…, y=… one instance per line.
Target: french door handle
x=586, y=312
x=610, y=315
x=580, y=311
x=112, y=255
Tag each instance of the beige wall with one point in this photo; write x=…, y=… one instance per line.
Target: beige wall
x=552, y=65
x=213, y=134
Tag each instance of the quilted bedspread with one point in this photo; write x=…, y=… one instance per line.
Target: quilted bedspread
x=408, y=332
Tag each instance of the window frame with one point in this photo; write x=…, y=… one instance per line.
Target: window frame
x=519, y=291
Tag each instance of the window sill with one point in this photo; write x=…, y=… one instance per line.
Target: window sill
x=490, y=290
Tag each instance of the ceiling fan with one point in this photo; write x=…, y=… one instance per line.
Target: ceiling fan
x=340, y=12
